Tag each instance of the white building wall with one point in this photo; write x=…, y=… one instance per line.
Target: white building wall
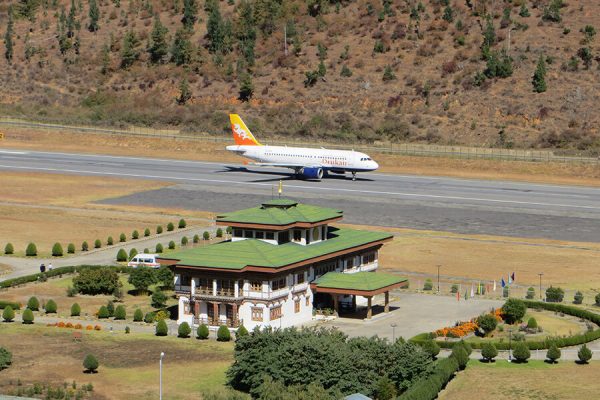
x=183, y=316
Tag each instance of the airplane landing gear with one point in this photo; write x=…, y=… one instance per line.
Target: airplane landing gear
x=354, y=176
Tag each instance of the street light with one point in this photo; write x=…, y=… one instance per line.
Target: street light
x=438, y=267
x=162, y=355
x=540, y=274
x=394, y=325
x=509, y=345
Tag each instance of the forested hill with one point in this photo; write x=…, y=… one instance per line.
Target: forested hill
x=437, y=71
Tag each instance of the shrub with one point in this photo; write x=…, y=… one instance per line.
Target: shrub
x=142, y=278
x=431, y=347
x=460, y=355
x=146, y=250
x=84, y=246
x=132, y=253
x=96, y=281
x=219, y=233
x=5, y=358
x=31, y=250
x=223, y=334
x=466, y=346
x=71, y=291
x=554, y=294
x=454, y=288
x=75, y=310
x=97, y=244
x=196, y=239
x=532, y=323
x=135, y=234
x=206, y=235
x=71, y=248
x=530, y=293
x=161, y=328
x=9, y=249
x=345, y=71
x=159, y=248
x=159, y=230
x=241, y=331
x=428, y=284
x=33, y=304
x=146, y=232
x=388, y=74
x=429, y=386
x=578, y=299
x=103, y=312
x=487, y=322
x=170, y=227
x=150, y=317
x=597, y=299
x=120, y=312
x=553, y=354
x=488, y=352
x=90, y=363
x=50, y=307
x=127, y=330
x=138, y=315
x=513, y=310
x=521, y=352
x=121, y=255
x=8, y=314
x=202, y=332
x=110, y=241
x=584, y=354
x=171, y=245
x=184, y=330
x=27, y=316
x=184, y=241
x=57, y=250
x=182, y=224
x=110, y=306
x=159, y=299
x=122, y=238
x=164, y=276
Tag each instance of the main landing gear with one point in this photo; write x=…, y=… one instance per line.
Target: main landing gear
x=354, y=176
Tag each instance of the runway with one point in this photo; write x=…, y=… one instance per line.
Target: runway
x=435, y=203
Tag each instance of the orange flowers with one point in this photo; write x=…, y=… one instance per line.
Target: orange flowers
x=462, y=329
x=74, y=326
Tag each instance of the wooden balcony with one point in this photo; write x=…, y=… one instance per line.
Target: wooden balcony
x=216, y=322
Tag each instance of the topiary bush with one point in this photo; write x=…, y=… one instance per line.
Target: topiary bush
x=97, y=244
x=75, y=310
x=90, y=363
x=120, y=312
x=184, y=330
x=110, y=241
x=51, y=307
x=554, y=295
x=103, y=312
x=84, y=246
x=184, y=241
x=223, y=334
x=33, y=304
x=202, y=332
x=488, y=352
x=170, y=227
x=122, y=238
x=428, y=284
x=578, y=298
x=8, y=315
x=27, y=316
x=532, y=323
x=206, y=235
x=135, y=235
x=431, y=347
x=31, y=250
x=521, y=352
x=132, y=253
x=159, y=229
x=513, y=310
x=553, y=354
x=241, y=331
x=146, y=250
x=196, y=239
x=150, y=317
x=159, y=248
x=219, y=233
x=171, y=245
x=57, y=250
x=584, y=354
x=460, y=355
x=138, y=315
x=182, y=224
x=9, y=248
x=121, y=255
x=71, y=248
x=530, y=293
x=146, y=232
x=487, y=323
x=161, y=328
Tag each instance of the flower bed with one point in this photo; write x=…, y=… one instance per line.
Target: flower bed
x=462, y=329
x=70, y=325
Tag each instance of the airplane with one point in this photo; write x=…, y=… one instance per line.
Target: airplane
x=307, y=163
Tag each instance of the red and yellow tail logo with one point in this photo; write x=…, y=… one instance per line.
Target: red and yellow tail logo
x=241, y=133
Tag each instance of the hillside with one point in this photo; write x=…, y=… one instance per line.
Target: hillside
x=418, y=69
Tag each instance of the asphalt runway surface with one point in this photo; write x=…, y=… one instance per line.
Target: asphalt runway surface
x=434, y=203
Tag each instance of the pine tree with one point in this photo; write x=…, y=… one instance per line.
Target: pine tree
x=190, y=14
x=159, y=47
x=130, y=53
x=214, y=28
x=71, y=20
x=246, y=87
x=489, y=38
x=105, y=64
x=28, y=8
x=245, y=31
x=182, y=49
x=8, y=40
x=184, y=92
x=94, y=15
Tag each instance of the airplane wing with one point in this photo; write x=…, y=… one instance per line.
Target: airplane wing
x=286, y=165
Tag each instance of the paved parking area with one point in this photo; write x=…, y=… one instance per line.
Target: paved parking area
x=413, y=313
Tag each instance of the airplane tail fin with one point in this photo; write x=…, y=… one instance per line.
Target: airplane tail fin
x=241, y=133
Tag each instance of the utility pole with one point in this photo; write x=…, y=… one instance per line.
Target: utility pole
x=540, y=274
x=162, y=354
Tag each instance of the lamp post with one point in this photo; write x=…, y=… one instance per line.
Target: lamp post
x=540, y=274
x=509, y=345
x=438, y=276
x=162, y=355
x=394, y=325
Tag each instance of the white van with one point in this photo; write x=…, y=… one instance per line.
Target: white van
x=146, y=260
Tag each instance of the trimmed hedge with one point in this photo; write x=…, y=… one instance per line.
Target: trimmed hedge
x=4, y=304
x=429, y=387
x=56, y=272
x=574, y=340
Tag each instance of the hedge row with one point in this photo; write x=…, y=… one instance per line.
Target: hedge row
x=429, y=387
x=56, y=272
x=14, y=306
x=574, y=340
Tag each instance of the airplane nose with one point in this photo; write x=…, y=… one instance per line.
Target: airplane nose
x=375, y=165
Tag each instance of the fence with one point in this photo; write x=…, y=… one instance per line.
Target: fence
x=407, y=149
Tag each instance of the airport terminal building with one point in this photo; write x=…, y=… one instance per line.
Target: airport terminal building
x=283, y=260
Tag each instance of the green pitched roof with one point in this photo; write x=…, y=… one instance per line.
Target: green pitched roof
x=239, y=254
x=280, y=212
x=366, y=281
